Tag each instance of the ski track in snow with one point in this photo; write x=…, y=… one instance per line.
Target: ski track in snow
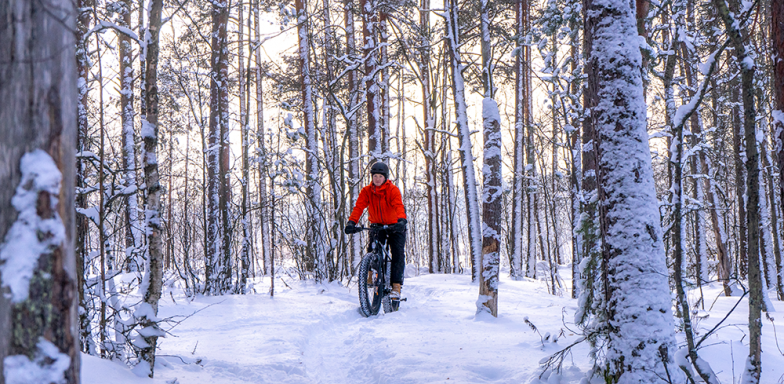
x=314, y=334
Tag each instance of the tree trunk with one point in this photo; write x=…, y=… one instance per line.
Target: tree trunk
x=263, y=162
x=530, y=167
x=372, y=90
x=244, y=77
x=153, y=281
x=38, y=92
x=464, y=135
x=428, y=103
x=215, y=267
x=83, y=70
x=132, y=233
x=492, y=191
x=351, y=128
x=633, y=256
x=518, y=176
x=315, y=245
x=777, y=35
x=589, y=284
x=740, y=182
x=747, y=68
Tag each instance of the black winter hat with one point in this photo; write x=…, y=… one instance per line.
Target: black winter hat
x=381, y=168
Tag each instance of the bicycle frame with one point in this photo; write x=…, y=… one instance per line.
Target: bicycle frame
x=381, y=262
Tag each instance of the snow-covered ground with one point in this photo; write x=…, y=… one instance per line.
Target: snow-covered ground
x=312, y=333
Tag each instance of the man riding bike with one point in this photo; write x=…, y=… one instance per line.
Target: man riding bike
x=385, y=207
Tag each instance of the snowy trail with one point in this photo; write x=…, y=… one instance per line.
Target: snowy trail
x=314, y=334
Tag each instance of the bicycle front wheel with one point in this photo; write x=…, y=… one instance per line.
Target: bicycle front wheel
x=371, y=285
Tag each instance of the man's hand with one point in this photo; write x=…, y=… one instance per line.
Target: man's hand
x=400, y=226
x=351, y=228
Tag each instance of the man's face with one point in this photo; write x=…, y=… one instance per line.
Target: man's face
x=378, y=179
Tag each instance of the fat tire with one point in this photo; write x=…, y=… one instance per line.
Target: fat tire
x=370, y=302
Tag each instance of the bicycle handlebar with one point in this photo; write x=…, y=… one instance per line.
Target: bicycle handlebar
x=379, y=228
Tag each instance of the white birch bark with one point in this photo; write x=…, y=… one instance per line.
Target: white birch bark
x=351, y=128
x=464, y=135
x=146, y=313
x=315, y=218
x=261, y=153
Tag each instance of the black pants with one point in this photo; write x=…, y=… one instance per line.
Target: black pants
x=397, y=246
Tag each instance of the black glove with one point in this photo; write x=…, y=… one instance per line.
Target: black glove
x=351, y=227
x=400, y=226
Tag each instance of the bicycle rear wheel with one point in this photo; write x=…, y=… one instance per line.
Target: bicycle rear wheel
x=371, y=285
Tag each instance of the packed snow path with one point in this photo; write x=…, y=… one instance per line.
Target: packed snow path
x=314, y=334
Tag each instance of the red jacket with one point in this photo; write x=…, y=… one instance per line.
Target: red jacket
x=384, y=204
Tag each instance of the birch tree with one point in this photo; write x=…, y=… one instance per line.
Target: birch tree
x=151, y=286
x=38, y=92
x=456, y=67
x=132, y=233
x=313, y=189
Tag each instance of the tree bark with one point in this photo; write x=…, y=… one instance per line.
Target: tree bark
x=38, y=92
x=372, y=90
x=263, y=162
x=518, y=177
x=132, y=233
x=315, y=245
x=634, y=267
x=747, y=68
x=492, y=191
x=777, y=35
x=153, y=281
x=83, y=70
x=215, y=266
x=464, y=135
x=351, y=128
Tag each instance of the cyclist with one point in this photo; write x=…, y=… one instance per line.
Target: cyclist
x=385, y=207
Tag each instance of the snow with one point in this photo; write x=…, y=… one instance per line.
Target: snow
x=48, y=366
x=313, y=333
x=30, y=235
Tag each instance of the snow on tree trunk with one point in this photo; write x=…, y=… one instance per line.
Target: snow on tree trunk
x=518, y=175
x=491, y=176
x=591, y=297
x=372, y=90
x=739, y=159
x=777, y=35
x=315, y=218
x=464, y=135
x=641, y=332
x=263, y=163
x=83, y=69
x=244, y=81
x=133, y=236
x=146, y=313
x=383, y=62
x=38, y=118
x=429, y=138
x=491, y=212
x=351, y=128
x=744, y=57
x=214, y=258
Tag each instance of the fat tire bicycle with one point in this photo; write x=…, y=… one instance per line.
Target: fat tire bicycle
x=374, y=275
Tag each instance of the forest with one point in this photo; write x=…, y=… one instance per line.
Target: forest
x=625, y=158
